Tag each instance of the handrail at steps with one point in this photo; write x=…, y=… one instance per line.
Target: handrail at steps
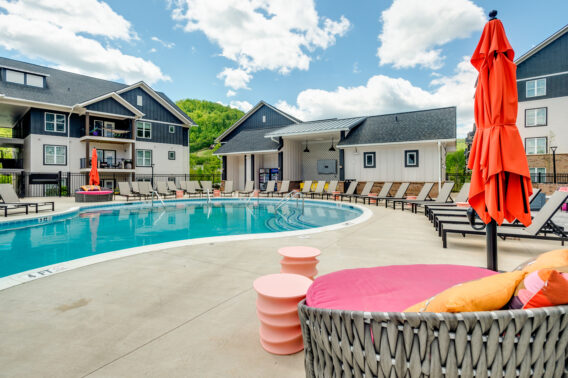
x=288, y=197
x=159, y=198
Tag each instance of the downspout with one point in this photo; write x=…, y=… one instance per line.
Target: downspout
x=440, y=166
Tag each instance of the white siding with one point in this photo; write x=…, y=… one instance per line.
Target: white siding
x=318, y=151
x=557, y=119
x=292, y=160
x=236, y=171
x=390, y=163
x=162, y=165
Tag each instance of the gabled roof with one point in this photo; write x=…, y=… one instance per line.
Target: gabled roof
x=118, y=99
x=542, y=45
x=251, y=112
x=248, y=141
x=421, y=125
x=316, y=127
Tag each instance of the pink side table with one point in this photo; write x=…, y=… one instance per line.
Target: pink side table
x=277, y=310
x=299, y=260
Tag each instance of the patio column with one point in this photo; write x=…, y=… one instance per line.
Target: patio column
x=280, y=165
x=87, y=126
x=251, y=167
x=224, y=167
x=341, y=158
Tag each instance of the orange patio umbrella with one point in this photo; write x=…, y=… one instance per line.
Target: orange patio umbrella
x=500, y=181
x=94, y=174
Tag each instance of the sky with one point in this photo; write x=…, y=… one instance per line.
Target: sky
x=312, y=59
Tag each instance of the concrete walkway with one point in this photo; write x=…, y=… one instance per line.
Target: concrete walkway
x=190, y=312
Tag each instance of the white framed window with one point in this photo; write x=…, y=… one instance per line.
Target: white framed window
x=143, y=158
x=411, y=158
x=15, y=77
x=172, y=129
x=536, y=117
x=538, y=174
x=535, y=146
x=369, y=160
x=139, y=100
x=54, y=155
x=143, y=130
x=34, y=80
x=536, y=87
x=54, y=122
x=171, y=155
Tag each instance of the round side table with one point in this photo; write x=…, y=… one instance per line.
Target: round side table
x=277, y=310
x=299, y=260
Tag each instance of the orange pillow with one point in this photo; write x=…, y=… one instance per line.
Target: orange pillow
x=486, y=294
x=552, y=259
x=542, y=288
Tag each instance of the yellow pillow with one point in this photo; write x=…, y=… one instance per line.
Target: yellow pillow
x=486, y=294
x=552, y=259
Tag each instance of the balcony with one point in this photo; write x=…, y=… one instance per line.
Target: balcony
x=7, y=164
x=120, y=166
x=108, y=136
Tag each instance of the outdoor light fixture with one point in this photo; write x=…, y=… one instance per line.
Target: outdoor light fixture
x=306, y=149
x=332, y=149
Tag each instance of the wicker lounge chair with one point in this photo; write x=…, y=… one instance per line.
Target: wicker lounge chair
x=249, y=188
x=269, y=188
x=319, y=189
x=510, y=343
x=332, y=187
x=124, y=191
x=383, y=193
x=365, y=192
x=541, y=227
x=284, y=189
x=162, y=189
x=422, y=196
x=442, y=197
x=10, y=197
x=400, y=194
x=228, y=189
x=349, y=192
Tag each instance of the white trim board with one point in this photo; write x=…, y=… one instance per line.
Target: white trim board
x=397, y=143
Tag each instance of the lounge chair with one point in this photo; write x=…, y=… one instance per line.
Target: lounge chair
x=183, y=186
x=228, y=189
x=307, y=188
x=145, y=189
x=269, y=188
x=135, y=188
x=441, y=198
x=162, y=189
x=249, y=188
x=541, y=227
x=10, y=197
x=383, y=193
x=400, y=194
x=5, y=207
x=284, y=189
x=349, y=192
x=365, y=192
x=206, y=186
x=332, y=187
x=319, y=188
x=462, y=196
x=124, y=190
x=172, y=186
x=422, y=196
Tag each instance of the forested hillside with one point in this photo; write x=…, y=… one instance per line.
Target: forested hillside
x=212, y=119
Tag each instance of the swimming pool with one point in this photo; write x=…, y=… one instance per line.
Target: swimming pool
x=25, y=245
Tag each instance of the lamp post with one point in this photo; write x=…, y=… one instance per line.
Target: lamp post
x=152, y=179
x=553, y=149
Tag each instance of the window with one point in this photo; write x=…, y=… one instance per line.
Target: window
x=171, y=155
x=411, y=158
x=535, y=117
x=538, y=174
x=143, y=158
x=54, y=155
x=34, y=80
x=172, y=129
x=536, y=87
x=369, y=159
x=15, y=77
x=263, y=119
x=535, y=146
x=139, y=100
x=144, y=130
x=55, y=122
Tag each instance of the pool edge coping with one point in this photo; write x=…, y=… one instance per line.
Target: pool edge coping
x=50, y=270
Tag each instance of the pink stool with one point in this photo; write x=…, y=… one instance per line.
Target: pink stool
x=277, y=310
x=299, y=260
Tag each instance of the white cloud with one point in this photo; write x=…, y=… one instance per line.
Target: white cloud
x=276, y=35
x=152, y=50
x=231, y=93
x=235, y=78
x=56, y=31
x=413, y=29
x=383, y=94
x=245, y=106
x=167, y=45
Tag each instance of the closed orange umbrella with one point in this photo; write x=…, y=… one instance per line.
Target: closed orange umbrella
x=94, y=174
x=500, y=181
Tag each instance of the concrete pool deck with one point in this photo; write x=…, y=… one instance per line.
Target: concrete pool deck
x=190, y=311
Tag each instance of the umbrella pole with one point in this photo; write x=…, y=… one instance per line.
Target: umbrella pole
x=491, y=234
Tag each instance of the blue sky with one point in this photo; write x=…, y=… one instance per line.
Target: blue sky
x=313, y=59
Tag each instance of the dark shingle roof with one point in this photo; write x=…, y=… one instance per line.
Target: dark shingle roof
x=248, y=141
x=63, y=88
x=405, y=127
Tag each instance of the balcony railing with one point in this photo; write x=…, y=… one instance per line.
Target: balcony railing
x=108, y=164
x=11, y=163
x=111, y=133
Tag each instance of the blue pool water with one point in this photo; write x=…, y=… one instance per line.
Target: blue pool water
x=104, y=229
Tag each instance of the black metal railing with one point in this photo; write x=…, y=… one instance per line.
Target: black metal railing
x=115, y=133
x=548, y=178
x=119, y=164
x=11, y=163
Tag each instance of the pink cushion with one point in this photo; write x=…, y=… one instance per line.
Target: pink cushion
x=95, y=192
x=387, y=288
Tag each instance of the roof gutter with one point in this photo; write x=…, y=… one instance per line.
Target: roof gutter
x=244, y=152
x=395, y=143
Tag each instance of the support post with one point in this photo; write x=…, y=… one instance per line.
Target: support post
x=491, y=236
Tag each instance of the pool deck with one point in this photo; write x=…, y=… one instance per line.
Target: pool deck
x=190, y=311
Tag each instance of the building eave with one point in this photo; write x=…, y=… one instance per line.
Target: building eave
x=116, y=97
x=396, y=143
x=245, y=152
x=541, y=45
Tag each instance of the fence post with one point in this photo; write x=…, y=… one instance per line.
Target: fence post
x=22, y=185
x=59, y=181
x=69, y=184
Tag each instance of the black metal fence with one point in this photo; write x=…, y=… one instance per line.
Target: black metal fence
x=64, y=184
x=548, y=178
x=459, y=179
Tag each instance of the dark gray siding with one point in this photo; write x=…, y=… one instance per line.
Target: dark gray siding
x=152, y=109
x=161, y=134
x=551, y=59
x=254, y=122
x=110, y=105
x=37, y=122
x=556, y=86
x=77, y=126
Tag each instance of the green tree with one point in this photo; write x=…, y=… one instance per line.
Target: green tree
x=455, y=162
